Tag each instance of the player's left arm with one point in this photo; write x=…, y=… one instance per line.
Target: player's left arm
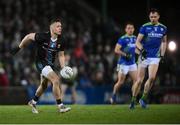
x=24, y=43
x=61, y=49
x=61, y=58
x=163, y=45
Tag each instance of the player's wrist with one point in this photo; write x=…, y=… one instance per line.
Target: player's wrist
x=161, y=55
x=162, y=59
x=15, y=50
x=136, y=57
x=128, y=56
x=125, y=54
x=143, y=51
x=140, y=49
x=62, y=66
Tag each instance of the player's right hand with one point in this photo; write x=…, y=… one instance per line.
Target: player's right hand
x=14, y=50
x=136, y=57
x=128, y=56
x=143, y=54
x=162, y=59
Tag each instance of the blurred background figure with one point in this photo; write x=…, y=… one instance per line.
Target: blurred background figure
x=4, y=81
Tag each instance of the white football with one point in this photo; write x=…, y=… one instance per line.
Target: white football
x=66, y=72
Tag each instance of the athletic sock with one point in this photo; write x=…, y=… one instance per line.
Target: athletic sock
x=59, y=103
x=35, y=99
x=114, y=97
x=133, y=99
x=34, y=102
x=144, y=96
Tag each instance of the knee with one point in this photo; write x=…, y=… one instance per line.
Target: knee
x=56, y=81
x=119, y=83
x=134, y=81
x=139, y=81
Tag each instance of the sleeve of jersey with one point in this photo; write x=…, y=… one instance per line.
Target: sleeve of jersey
x=62, y=44
x=142, y=30
x=39, y=37
x=165, y=32
x=120, y=41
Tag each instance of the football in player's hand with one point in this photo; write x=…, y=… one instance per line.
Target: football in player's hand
x=66, y=72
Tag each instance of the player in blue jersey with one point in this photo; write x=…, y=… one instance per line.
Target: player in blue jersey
x=125, y=47
x=151, y=42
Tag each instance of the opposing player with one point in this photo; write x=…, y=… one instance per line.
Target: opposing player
x=151, y=42
x=48, y=45
x=125, y=47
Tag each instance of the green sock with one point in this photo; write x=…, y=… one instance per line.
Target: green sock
x=133, y=99
x=144, y=96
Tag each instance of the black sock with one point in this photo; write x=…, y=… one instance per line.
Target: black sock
x=58, y=101
x=36, y=98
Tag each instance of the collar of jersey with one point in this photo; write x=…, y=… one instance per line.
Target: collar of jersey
x=129, y=35
x=53, y=40
x=155, y=24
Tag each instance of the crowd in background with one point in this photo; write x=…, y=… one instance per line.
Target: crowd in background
x=90, y=43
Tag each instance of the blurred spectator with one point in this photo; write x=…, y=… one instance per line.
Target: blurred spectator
x=4, y=82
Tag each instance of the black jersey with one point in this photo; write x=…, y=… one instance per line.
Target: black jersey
x=47, y=48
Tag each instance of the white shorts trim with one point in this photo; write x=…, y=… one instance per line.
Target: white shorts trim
x=149, y=61
x=46, y=70
x=124, y=69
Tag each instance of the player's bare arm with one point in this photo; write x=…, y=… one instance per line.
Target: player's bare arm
x=139, y=45
x=137, y=51
x=163, y=45
x=118, y=50
x=138, y=41
x=61, y=58
x=27, y=40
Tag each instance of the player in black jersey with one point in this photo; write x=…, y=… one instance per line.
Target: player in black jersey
x=48, y=45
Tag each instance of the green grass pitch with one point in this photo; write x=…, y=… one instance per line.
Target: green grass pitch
x=91, y=114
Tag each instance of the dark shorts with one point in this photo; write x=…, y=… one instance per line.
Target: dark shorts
x=40, y=65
